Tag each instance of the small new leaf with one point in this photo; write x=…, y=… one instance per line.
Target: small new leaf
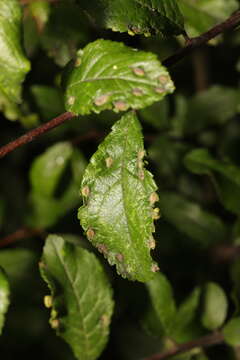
x=4, y=297
x=163, y=306
x=142, y=16
x=81, y=297
x=114, y=76
x=215, y=306
x=13, y=63
x=231, y=332
x=118, y=213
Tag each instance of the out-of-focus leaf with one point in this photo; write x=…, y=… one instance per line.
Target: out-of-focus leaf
x=46, y=174
x=201, y=15
x=163, y=306
x=157, y=115
x=1, y=212
x=214, y=106
x=142, y=16
x=49, y=101
x=13, y=63
x=185, y=324
x=64, y=32
x=81, y=296
x=115, y=187
x=48, y=168
x=166, y=155
x=4, y=297
x=215, y=306
x=235, y=277
x=202, y=227
x=225, y=176
x=18, y=265
x=40, y=11
x=231, y=332
x=110, y=75
x=179, y=119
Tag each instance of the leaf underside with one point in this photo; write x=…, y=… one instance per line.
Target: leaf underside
x=81, y=302
x=13, y=63
x=114, y=187
x=142, y=16
x=110, y=75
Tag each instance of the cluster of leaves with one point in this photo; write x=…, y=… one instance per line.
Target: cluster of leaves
x=192, y=144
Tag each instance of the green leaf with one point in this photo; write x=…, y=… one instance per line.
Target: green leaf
x=215, y=306
x=18, y=264
x=169, y=164
x=4, y=297
x=185, y=318
x=13, y=63
x=189, y=218
x=55, y=178
x=235, y=277
x=201, y=15
x=49, y=100
x=214, y=106
x=48, y=168
x=115, y=187
x=231, y=332
x=225, y=176
x=157, y=114
x=64, y=32
x=163, y=305
x=142, y=16
x=110, y=75
x=81, y=297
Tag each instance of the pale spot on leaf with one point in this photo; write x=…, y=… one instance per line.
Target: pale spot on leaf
x=120, y=106
x=138, y=71
x=71, y=100
x=90, y=234
x=137, y=92
x=101, y=100
x=85, y=191
x=109, y=162
x=47, y=300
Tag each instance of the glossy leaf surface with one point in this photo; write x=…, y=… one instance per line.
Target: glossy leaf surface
x=81, y=296
x=142, y=16
x=119, y=195
x=110, y=75
x=13, y=63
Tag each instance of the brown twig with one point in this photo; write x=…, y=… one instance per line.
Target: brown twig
x=32, y=134
x=225, y=253
x=20, y=234
x=209, y=340
x=193, y=43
